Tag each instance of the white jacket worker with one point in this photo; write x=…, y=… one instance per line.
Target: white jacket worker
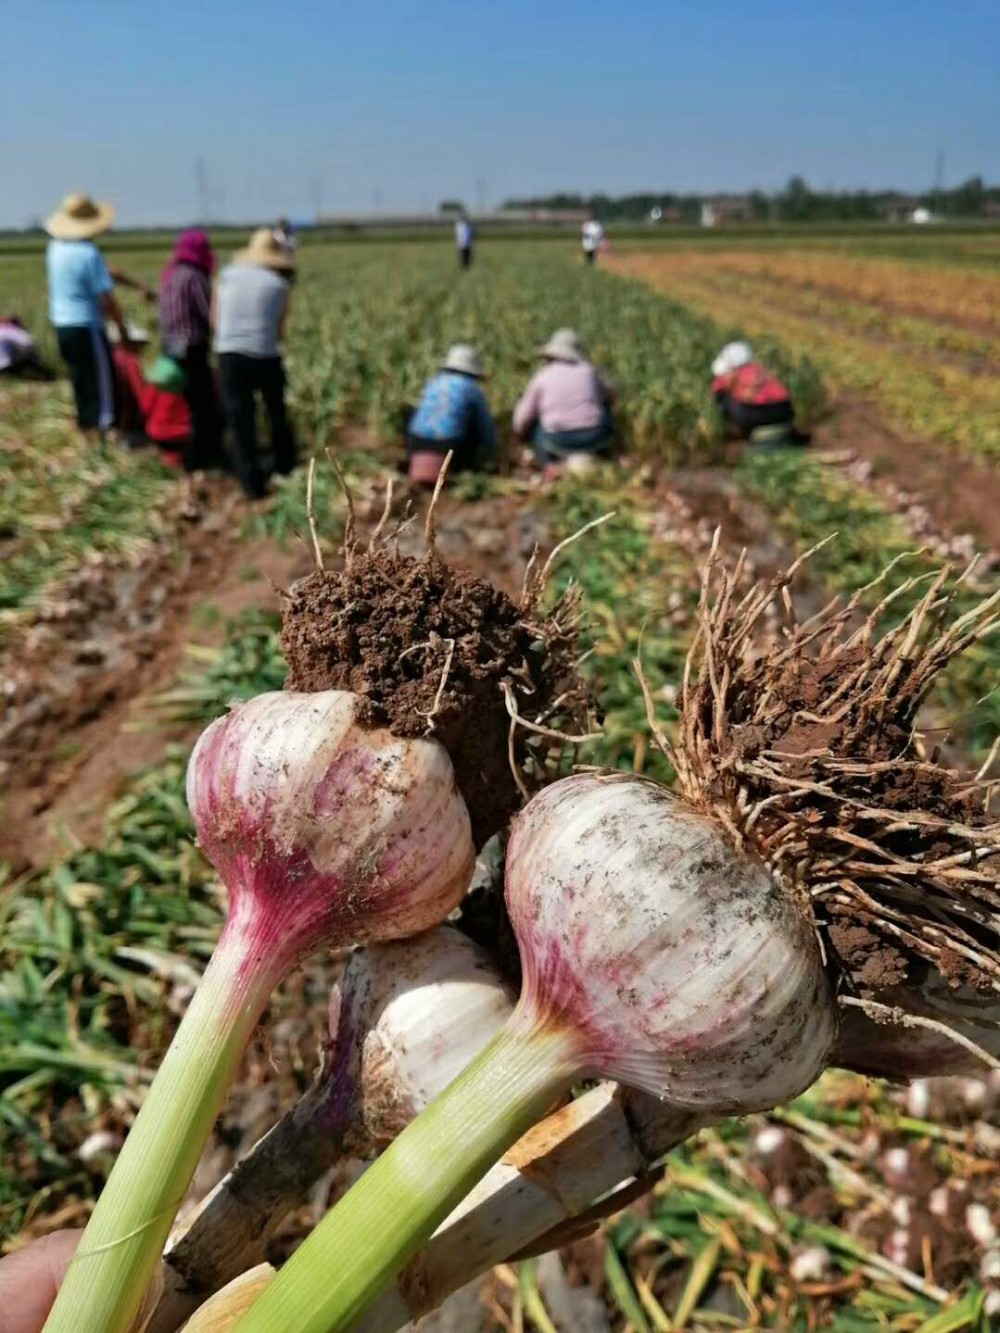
x=592, y=236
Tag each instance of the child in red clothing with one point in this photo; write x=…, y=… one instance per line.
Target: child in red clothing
x=748, y=393
x=147, y=412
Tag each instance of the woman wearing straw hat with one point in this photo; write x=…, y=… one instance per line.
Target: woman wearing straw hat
x=453, y=417
x=251, y=307
x=81, y=297
x=566, y=408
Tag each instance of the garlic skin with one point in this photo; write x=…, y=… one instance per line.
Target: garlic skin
x=886, y=1050
x=427, y=1006
x=324, y=831
x=683, y=967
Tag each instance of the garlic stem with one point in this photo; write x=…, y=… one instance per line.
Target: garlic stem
x=405, y=1019
x=584, y=1153
x=121, y=1247
x=323, y=832
x=357, y=1250
x=653, y=951
x=237, y=1220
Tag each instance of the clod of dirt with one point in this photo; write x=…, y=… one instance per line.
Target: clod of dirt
x=428, y=650
x=806, y=751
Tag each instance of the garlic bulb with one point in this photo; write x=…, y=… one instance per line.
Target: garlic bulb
x=893, y=1051
x=653, y=952
x=323, y=833
x=323, y=830
x=682, y=966
x=425, y=1007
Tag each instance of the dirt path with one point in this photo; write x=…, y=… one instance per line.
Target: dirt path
x=962, y=494
x=78, y=680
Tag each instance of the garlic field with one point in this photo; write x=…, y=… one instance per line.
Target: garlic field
x=135, y=606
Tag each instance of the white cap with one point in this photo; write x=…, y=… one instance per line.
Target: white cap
x=732, y=356
x=565, y=345
x=464, y=358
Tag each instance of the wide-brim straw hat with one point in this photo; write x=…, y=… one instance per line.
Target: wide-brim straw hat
x=463, y=358
x=564, y=345
x=79, y=217
x=266, y=251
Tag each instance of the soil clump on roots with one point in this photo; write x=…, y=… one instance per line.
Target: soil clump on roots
x=807, y=750
x=434, y=651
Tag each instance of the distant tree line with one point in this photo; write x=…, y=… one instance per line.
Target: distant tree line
x=796, y=202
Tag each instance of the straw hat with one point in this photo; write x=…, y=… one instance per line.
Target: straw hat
x=565, y=345
x=732, y=357
x=266, y=251
x=464, y=358
x=79, y=218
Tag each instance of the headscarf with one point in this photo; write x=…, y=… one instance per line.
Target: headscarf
x=191, y=247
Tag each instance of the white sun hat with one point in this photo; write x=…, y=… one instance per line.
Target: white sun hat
x=565, y=345
x=136, y=333
x=463, y=358
x=79, y=218
x=732, y=356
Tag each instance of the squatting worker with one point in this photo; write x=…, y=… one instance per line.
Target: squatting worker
x=251, y=306
x=453, y=417
x=566, y=409
x=186, y=333
x=81, y=298
x=464, y=237
x=754, y=402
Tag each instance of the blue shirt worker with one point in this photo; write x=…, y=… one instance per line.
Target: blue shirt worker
x=453, y=417
x=81, y=298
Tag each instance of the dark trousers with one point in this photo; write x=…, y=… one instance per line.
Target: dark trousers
x=590, y=256
x=242, y=378
x=205, y=448
x=465, y=256
x=553, y=446
x=85, y=350
x=745, y=417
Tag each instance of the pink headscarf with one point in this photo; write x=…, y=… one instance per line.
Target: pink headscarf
x=194, y=247
x=191, y=247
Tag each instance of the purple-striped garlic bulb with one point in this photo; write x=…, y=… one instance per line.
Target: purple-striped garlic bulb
x=680, y=965
x=324, y=833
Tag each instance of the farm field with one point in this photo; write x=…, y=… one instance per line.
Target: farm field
x=920, y=338
x=134, y=606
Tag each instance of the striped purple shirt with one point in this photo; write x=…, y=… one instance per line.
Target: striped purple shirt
x=185, y=307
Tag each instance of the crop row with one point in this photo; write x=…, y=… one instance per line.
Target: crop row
x=936, y=401
x=943, y=294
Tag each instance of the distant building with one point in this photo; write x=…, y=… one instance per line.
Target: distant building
x=722, y=208
x=899, y=207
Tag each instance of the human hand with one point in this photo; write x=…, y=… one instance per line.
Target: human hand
x=30, y=1278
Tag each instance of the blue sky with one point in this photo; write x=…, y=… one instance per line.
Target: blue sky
x=393, y=104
